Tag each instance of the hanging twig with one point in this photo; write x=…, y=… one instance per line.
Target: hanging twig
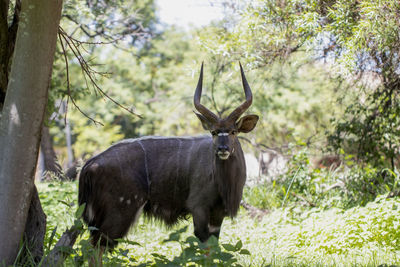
x=88, y=72
x=69, y=89
x=132, y=29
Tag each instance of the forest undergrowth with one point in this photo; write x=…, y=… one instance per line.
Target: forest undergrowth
x=310, y=217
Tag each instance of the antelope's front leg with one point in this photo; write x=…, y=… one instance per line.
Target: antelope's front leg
x=216, y=218
x=200, y=220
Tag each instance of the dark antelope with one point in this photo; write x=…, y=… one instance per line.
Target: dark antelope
x=169, y=177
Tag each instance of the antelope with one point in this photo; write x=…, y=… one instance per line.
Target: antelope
x=168, y=178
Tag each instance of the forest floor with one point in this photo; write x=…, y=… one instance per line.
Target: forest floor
x=291, y=236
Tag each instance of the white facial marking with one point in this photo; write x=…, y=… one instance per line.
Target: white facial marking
x=223, y=155
x=128, y=202
x=121, y=199
x=223, y=134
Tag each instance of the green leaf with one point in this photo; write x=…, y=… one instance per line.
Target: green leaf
x=80, y=210
x=53, y=233
x=229, y=247
x=244, y=252
x=224, y=256
x=65, y=203
x=129, y=242
x=239, y=245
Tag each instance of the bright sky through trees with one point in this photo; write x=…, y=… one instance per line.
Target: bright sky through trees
x=188, y=12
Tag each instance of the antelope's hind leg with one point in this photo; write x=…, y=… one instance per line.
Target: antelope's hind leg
x=117, y=216
x=116, y=225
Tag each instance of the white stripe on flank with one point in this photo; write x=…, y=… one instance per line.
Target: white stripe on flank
x=178, y=157
x=145, y=165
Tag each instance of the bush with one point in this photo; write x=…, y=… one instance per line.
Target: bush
x=348, y=186
x=288, y=236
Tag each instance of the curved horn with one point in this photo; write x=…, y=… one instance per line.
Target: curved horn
x=249, y=99
x=197, y=95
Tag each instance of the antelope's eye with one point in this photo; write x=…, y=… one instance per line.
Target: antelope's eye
x=233, y=132
x=214, y=133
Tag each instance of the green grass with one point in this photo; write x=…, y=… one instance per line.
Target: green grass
x=360, y=236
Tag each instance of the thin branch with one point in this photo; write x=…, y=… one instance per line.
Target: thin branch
x=88, y=71
x=86, y=32
x=69, y=89
x=138, y=31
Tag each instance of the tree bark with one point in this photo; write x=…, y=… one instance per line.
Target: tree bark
x=3, y=50
x=51, y=166
x=35, y=231
x=22, y=117
x=8, y=35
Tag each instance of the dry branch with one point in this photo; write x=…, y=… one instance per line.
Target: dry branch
x=88, y=72
x=60, y=251
x=254, y=212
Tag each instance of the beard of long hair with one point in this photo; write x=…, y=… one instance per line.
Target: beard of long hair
x=230, y=184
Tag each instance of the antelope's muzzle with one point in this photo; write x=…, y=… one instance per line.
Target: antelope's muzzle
x=222, y=148
x=223, y=155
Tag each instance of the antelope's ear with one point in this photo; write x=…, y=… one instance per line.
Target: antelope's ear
x=206, y=124
x=247, y=123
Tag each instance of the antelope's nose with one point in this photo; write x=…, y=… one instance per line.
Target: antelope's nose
x=223, y=148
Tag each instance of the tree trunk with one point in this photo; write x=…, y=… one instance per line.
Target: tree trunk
x=70, y=152
x=3, y=50
x=22, y=117
x=7, y=43
x=35, y=231
x=51, y=166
